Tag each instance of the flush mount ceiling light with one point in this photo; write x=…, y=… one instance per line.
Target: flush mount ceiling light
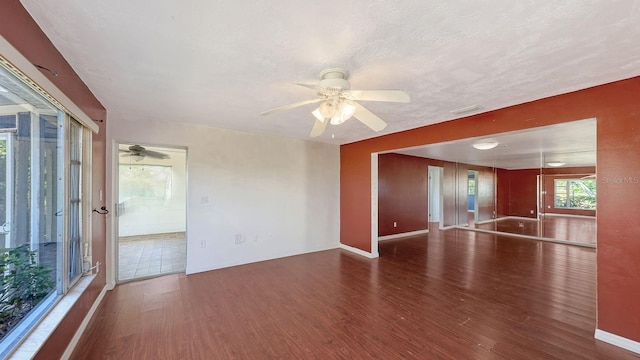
x=485, y=145
x=466, y=109
x=555, y=163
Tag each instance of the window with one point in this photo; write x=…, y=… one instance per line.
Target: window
x=144, y=181
x=143, y=186
x=575, y=194
x=42, y=153
x=472, y=186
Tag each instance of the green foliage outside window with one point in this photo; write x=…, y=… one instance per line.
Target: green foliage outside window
x=23, y=284
x=575, y=193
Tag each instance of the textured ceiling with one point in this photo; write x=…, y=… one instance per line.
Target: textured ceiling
x=223, y=62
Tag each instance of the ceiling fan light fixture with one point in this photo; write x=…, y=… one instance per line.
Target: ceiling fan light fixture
x=318, y=115
x=337, y=120
x=348, y=109
x=137, y=157
x=338, y=103
x=485, y=145
x=328, y=108
x=555, y=163
x=344, y=112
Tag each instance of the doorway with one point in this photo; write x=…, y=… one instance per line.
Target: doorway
x=151, y=211
x=472, y=196
x=435, y=195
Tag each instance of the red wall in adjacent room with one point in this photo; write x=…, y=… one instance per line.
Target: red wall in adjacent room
x=502, y=193
x=617, y=109
x=486, y=189
x=19, y=29
x=519, y=189
x=402, y=193
x=449, y=189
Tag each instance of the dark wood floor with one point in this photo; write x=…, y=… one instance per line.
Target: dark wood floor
x=580, y=230
x=446, y=295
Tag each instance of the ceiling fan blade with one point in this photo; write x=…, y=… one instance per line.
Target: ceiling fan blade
x=291, y=106
x=155, y=154
x=380, y=95
x=368, y=118
x=318, y=127
x=309, y=86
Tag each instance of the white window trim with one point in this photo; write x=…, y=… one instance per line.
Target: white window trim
x=44, y=327
x=40, y=332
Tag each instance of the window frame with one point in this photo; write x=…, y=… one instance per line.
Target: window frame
x=64, y=284
x=568, y=194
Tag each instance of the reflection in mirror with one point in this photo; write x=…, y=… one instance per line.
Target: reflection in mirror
x=537, y=183
x=568, y=196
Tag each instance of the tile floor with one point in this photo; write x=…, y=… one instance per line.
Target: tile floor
x=149, y=255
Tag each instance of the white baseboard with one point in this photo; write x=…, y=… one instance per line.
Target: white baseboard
x=516, y=218
x=485, y=221
x=448, y=227
x=358, y=251
x=494, y=232
x=83, y=325
x=198, y=269
x=618, y=341
x=401, y=235
x=568, y=215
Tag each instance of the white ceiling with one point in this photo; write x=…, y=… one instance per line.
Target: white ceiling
x=572, y=143
x=223, y=62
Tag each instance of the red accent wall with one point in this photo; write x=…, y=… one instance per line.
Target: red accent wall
x=19, y=29
x=617, y=110
x=502, y=193
x=518, y=191
x=486, y=189
x=449, y=189
x=402, y=193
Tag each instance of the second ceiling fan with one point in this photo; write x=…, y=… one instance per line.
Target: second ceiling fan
x=339, y=102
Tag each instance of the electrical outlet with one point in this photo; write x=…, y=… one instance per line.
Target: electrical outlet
x=395, y=224
x=203, y=243
x=532, y=211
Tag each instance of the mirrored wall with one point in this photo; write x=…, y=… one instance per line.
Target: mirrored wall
x=536, y=183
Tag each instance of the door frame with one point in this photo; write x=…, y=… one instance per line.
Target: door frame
x=435, y=176
x=115, y=195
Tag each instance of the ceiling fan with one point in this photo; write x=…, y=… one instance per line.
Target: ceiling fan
x=338, y=102
x=138, y=153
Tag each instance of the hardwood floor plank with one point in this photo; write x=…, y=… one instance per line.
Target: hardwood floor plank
x=449, y=294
